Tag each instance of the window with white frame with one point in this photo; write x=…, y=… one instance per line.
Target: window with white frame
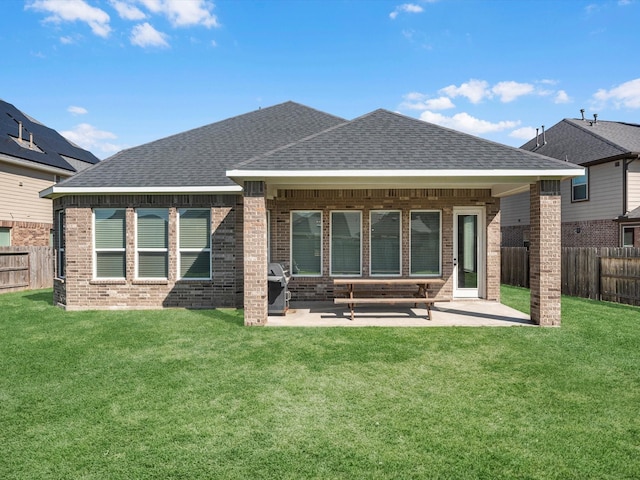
x=346, y=245
x=152, y=243
x=385, y=242
x=580, y=188
x=306, y=243
x=426, y=243
x=109, y=242
x=5, y=237
x=194, y=244
x=60, y=257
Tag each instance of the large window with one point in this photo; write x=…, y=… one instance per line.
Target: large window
x=152, y=242
x=425, y=243
x=306, y=243
x=5, y=237
x=346, y=247
x=194, y=244
x=109, y=241
x=580, y=188
x=385, y=243
x=60, y=259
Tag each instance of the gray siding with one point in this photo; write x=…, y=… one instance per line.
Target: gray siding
x=515, y=210
x=605, y=195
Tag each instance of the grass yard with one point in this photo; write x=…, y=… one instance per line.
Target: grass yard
x=180, y=394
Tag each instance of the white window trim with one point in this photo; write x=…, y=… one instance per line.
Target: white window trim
x=192, y=250
x=331, y=244
x=435, y=275
x=291, y=269
x=149, y=250
x=100, y=250
x=371, y=212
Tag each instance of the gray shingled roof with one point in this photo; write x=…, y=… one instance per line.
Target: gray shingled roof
x=383, y=140
x=582, y=141
x=52, y=147
x=200, y=157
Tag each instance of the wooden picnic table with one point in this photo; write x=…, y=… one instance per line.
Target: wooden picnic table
x=421, y=296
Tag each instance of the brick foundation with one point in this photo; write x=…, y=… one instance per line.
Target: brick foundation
x=590, y=233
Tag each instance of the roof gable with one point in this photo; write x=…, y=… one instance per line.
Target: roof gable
x=51, y=147
x=384, y=140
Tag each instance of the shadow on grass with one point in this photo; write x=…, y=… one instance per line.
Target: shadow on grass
x=228, y=315
x=40, y=296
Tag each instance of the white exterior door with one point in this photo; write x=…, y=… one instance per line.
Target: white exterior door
x=468, y=252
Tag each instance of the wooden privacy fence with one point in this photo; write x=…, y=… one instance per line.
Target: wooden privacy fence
x=611, y=274
x=23, y=268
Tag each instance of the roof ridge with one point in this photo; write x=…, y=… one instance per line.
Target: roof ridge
x=576, y=124
x=283, y=147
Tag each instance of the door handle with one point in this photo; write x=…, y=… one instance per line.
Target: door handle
x=455, y=262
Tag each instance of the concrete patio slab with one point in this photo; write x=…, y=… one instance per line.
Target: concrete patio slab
x=459, y=313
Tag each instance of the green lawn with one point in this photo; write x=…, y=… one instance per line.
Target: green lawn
x=194, y=394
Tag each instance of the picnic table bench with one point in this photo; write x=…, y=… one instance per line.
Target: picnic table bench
x=421, y=296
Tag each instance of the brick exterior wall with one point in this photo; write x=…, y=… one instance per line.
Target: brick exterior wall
x=79, y=290
x=545, y=253
x=405, y=200
x=239, y=246
x=28, y=234
x=589, y=233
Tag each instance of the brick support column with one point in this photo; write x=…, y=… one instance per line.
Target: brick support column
x=545, y=252
x=255, y=254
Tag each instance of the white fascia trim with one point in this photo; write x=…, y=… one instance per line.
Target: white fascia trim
x=57, y=191
x=557, y=173
x=35, y=166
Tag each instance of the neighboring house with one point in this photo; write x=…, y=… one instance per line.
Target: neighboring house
x=32, y=157
x=192, y=220
x=600, y=208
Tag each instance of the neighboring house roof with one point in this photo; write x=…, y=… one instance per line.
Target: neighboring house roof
x=585, y=141
x=200, y=157
x=291, y=144
x=41, y=145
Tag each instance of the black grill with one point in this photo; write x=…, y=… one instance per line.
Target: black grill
x=279, y=294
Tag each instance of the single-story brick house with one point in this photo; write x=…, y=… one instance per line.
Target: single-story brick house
x=192, y=220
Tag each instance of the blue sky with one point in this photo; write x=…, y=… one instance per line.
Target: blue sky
x=113, y=74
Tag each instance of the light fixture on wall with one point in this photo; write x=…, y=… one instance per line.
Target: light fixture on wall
x=578, y=230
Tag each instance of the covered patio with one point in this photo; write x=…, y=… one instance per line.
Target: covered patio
x=458, y=313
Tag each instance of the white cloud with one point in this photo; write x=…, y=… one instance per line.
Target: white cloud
x=72, y=11
x=419, y=101
x=509, y=91
x=74, y=110
x=524, y=133
x=406, y=8
x=144, y=35
x=66, y=40
x=184, y=13
x=128, y=11
x=562, y=97
x=90, y=138
x=466, y=123
x=624, y=95
x=474, y=90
